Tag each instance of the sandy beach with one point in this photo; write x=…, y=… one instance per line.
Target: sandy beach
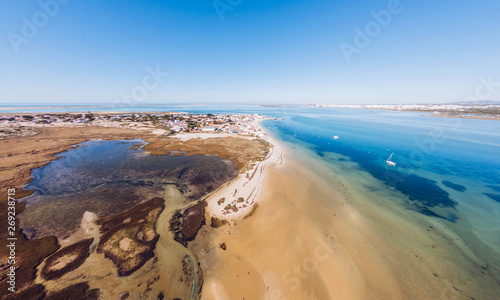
x=314, y=237
x=247, y=187
x=176, y=264
x=295, y=228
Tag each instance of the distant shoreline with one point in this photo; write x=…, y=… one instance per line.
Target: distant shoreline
x=11, y=114
x=7, y=110
x=462, y=112
x=447, y=114
x=439, y=113
x=84, y=106
x=457, y=116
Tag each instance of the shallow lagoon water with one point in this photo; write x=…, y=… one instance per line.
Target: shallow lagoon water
x=107, y=177
x=446, y=169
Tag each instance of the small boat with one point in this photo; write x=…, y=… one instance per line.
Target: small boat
x=335, y=137
x=389, y=162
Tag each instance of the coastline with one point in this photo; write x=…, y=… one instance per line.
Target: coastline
x=447, y=114
x=348, y=243
x=472, y=117
x=22, y=154
x=3, y=108
x=248, y=185
x=313, y=236
x=433, y=110
x=258, y=254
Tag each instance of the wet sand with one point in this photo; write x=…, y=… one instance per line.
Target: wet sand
x=162, y=274
x=315, y=237
x=174, y=271
x=247, y=186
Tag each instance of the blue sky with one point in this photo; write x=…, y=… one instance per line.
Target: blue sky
x=231, y=51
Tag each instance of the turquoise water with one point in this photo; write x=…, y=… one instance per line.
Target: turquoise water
x=446, y=168
x=433, y=155
x=436, y=158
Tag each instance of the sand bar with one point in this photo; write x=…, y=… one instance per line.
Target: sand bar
x=247, y=187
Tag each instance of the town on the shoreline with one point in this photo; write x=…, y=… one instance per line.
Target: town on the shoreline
x=169, y=123
x=491, y=110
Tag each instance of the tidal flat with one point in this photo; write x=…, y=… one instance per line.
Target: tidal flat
x=90, y=193
x=108, y=177
x=329, y=223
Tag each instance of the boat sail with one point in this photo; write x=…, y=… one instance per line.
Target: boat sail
x=389, y=162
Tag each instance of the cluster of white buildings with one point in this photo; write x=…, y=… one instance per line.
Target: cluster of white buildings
x=237, y=123
x=208, y=122
x=175, y=122
x=414, y=107
x=243, y=129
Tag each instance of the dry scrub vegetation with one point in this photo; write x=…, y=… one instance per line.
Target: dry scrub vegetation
x=240, y=151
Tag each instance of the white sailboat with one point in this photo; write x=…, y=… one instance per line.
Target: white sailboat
x=389, y=162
